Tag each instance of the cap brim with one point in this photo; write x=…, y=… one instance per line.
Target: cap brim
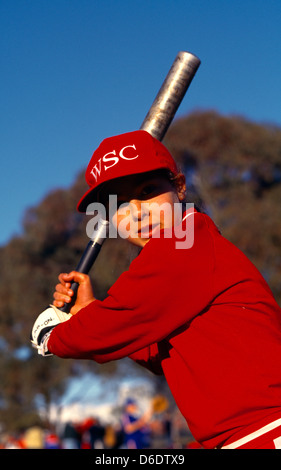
x=88, y=197
x=92, y=194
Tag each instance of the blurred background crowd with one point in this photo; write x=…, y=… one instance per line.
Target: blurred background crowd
x=157, y=428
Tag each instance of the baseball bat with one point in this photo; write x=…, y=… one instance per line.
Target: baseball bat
x=156, y=122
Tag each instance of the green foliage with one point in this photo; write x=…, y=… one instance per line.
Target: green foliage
x=233, y=169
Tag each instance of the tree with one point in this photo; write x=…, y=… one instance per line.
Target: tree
x=233, y=170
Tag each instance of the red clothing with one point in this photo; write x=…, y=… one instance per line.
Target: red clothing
x=205, y=317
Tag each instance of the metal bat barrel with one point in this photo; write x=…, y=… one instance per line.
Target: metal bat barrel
x=170, y=94
x=156, y=123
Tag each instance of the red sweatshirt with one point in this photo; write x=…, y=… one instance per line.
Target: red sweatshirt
x=204, y=317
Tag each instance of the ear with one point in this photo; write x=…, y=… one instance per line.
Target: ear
x=181, y=186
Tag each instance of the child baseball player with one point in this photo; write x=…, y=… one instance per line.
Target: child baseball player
x=191, y=306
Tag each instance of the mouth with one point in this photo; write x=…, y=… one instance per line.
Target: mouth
x=148, y=231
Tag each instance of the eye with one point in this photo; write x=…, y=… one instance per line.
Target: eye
x=148, y=190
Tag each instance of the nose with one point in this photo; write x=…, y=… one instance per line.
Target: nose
x=138, y=210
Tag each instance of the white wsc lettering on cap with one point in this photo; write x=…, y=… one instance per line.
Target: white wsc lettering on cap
x=102, y=164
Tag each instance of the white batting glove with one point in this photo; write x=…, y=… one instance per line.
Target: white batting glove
x=43, y=326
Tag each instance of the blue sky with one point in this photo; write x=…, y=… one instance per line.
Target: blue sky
x=76, y=71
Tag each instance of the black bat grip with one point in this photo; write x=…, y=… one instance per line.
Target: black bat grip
x=88, y=258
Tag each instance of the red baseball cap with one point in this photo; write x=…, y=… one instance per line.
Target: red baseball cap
x=123, y=155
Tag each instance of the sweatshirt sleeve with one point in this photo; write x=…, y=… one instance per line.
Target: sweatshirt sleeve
x=149, y=358
x=164, y=289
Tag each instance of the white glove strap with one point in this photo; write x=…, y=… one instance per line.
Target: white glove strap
x=48, y=319
x=43, y=347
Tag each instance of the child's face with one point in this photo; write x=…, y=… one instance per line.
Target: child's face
x=137, y=216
